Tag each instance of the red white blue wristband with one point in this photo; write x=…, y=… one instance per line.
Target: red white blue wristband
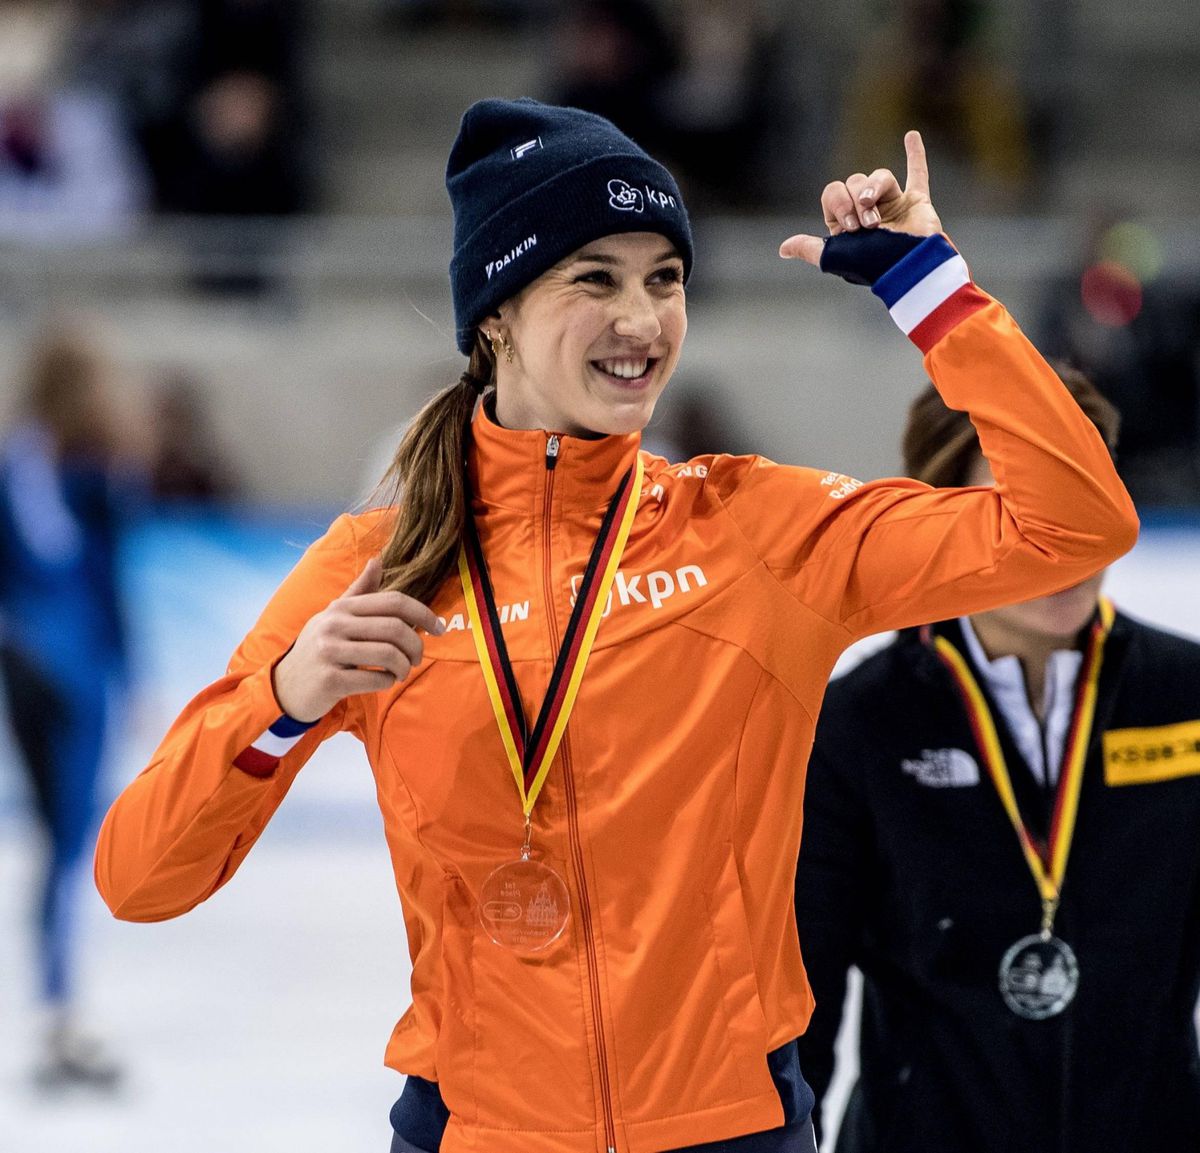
x=262, y=757
x=924, y=282
x=929, y=292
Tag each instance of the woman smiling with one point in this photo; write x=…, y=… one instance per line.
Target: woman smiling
x=592, y=799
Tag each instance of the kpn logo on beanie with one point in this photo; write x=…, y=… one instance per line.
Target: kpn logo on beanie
x=625, y=198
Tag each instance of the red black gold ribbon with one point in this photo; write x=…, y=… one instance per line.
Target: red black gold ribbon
x=1047, y=863
x=530, y=753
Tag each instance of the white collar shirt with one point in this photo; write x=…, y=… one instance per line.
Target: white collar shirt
x=1039, y=743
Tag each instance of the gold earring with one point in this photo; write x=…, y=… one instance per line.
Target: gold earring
x=498, y=343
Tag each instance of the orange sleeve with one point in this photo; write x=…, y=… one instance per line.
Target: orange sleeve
x=893, y=553
x=182, y=827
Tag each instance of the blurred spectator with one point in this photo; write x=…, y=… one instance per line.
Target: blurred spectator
x=241, y=152
x=238, y=151
x=142, y=54
x=614, y=58
x=234, y=157
x=62, y=649
x=931, y=67
x=695, y=89
x=187, y=463
x=68, y=169
x=1136, y=333
x=213, y=92
x=717, y=103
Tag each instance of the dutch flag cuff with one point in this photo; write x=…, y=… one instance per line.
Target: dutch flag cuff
x=264, y=755
x=929, y=292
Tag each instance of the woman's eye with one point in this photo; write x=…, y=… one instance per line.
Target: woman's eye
x=670, y=275
x=597, y=277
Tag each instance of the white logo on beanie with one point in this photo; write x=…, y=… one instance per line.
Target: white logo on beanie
x=528, y=146
x=624, y=197
x=513, y=253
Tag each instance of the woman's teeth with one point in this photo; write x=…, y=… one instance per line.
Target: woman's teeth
x=626, y=369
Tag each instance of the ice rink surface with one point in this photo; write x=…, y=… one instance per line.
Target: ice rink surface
x=257, y=1023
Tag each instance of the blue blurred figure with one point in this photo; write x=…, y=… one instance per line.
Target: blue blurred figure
x=62, y=649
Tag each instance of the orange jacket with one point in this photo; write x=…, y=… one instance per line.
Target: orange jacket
x=673, y=809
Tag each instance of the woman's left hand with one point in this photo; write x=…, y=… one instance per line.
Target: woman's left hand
x=862, y=201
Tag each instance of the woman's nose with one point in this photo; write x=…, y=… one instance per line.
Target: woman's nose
x=636, y=317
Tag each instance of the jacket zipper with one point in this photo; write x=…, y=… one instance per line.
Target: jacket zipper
x=585, y=908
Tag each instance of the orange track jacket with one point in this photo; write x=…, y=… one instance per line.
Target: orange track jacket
x=673, y=809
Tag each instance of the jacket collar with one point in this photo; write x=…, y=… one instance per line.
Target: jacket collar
x=507, y=468
x=1112, y=671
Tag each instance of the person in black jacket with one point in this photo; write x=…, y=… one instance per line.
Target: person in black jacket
x=1002, y=831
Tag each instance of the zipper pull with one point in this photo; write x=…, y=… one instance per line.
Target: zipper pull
x=552, y=450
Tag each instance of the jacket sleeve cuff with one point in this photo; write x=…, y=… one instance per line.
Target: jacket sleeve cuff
x=929, y=292
x=262, y=757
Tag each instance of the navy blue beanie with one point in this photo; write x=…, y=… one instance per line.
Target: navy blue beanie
x=530, y=183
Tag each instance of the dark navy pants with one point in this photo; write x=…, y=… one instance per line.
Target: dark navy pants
x=60, y=735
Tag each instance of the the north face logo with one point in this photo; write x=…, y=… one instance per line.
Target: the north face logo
x=624, y=197
x=943, y=769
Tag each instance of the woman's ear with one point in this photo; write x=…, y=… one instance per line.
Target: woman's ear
x=490, y=326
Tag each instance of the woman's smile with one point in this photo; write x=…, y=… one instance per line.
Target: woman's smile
x=627, y=372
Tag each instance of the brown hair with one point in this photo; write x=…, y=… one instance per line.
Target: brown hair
x=940, y=444
x=426, y=483
x=65, y=390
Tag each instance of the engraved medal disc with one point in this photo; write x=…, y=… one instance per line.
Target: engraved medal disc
x=524, y=906
x=1039, y=977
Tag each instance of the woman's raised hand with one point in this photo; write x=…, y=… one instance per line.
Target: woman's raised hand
x=862, y=201
x=365, y=641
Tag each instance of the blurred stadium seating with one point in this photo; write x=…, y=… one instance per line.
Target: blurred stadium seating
x=355, y=326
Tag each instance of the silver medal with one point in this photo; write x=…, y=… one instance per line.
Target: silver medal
x=1039, y=976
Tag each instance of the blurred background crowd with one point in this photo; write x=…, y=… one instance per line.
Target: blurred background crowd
x=248, y=193
x=224, y=240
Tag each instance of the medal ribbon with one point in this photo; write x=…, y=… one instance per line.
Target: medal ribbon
x=530, y=754
x=1049, y=864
